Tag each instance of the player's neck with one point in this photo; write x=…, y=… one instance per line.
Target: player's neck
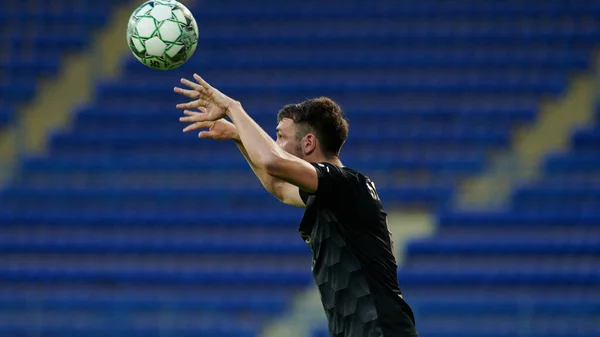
x=323, y=159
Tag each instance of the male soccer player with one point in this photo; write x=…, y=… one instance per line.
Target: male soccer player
x=344, y=222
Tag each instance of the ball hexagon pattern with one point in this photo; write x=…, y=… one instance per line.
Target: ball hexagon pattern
x=146, y=27
x=155, y=46
x=161, y=12
x=162, y=34
x=174, y=50
x=169, y=31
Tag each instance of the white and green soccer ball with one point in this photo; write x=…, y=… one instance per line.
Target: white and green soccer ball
x=162, y=34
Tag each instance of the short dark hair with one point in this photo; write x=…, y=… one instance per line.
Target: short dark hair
x=321, y=116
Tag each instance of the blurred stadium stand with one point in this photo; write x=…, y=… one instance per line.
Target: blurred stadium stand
x=127, y=227
x=36, y=34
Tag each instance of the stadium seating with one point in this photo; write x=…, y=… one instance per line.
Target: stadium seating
x=508, y=273
x=127, y=227
x=35, y=34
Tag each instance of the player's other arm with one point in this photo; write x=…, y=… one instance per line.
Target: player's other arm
x=224, y=130
x=262, y=150
x=285, y=192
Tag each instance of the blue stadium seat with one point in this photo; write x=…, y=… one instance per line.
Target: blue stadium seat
x=572, y=163
x=200, y=240
x=220, y=302
x=117, y=327
x=294, y=58
x=6, y=115
x=23, y=67
x=34, y=38
x=136, y=229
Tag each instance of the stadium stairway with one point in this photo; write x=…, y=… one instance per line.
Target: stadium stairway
x=530, y=270
x=127, y=227
x=37, y=35
x=531, y=143
x=49, y=51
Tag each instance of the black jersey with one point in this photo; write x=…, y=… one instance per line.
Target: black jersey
x=353, y=262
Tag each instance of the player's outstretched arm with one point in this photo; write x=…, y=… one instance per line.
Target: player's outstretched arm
x=224, y=130
x=261, y=148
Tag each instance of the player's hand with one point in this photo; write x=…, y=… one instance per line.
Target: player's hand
x=220, y=129
x=215, y=103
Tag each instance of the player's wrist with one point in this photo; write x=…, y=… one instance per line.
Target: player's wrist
x=232, y=107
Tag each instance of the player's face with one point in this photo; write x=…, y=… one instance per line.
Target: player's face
x=286, y=137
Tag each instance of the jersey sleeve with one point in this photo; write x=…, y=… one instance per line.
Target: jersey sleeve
x=334, y=182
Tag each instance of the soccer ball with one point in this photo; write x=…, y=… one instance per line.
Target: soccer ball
x=162, y=34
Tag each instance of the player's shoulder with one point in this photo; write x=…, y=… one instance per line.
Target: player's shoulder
x=346, y=174
x=334, y=169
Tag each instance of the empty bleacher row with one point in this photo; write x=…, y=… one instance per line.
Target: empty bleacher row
x=127, y=227
x=35, y=35
x=532, y=269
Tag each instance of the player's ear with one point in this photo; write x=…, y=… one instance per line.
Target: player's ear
x=308, y=144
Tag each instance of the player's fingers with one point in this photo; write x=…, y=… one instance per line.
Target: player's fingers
x=202, y=82
x=201, y=117
x=207, y=134
x=190, y=119
x=197, y=117
x=183, y=106
x=189, y=105
x=190, y=127
x=190, y=113
x=187, y=93
x=192, y=85
x=202, y=103
x=196, y=126
x=194, y=113
x=192, y=116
